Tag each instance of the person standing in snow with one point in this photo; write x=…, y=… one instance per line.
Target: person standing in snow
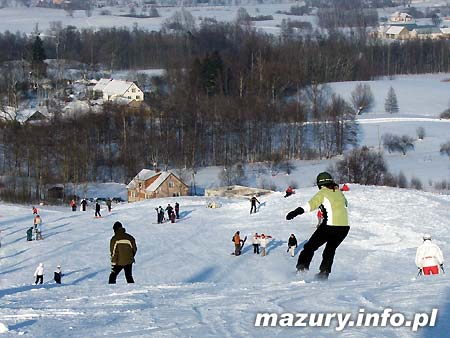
x=333, y=228
x=158, y=216
x=292, y=245
x=253, y=201
x=35, y=210
x=108, y=204
x=39, y=274
x=122, y=248
x=97, y=210
x=429, y=257
x=58, y=274
x=38, y=227
x=177, y=210
x=169, y=210
x=256, y=243
x=161, y=214
x=73, y=204
x=263, y=242
x=83, y=204
x=237, y=243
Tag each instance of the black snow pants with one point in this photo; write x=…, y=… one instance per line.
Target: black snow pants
x=115, y=270
x=332, y=236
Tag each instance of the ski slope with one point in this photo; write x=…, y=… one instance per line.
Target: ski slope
x=188, y=284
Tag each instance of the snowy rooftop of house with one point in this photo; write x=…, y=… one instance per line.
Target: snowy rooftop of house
x=155, y=185
x=117, y=87
x=101, y=84
x=402, y=15
x=143, y=175
x=395, y=30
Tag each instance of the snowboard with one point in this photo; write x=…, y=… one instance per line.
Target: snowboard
x=242, y=245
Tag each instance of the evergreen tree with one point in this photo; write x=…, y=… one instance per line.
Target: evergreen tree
x=391, y=104
x=38, y=50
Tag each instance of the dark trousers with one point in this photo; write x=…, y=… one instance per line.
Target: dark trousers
x=39, y=279
x=97, y=213
x=333, y=236
x=256, y=248
x=57, y=277
x=177, y=213
x=115, y=270
x=253, y=208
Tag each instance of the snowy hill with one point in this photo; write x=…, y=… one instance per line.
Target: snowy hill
x=188, y=284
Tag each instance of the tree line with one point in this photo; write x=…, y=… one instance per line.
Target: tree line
x=230, y=94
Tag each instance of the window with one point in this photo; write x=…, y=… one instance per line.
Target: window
x=138, y=97
x=129, y=97
x=133, y=90
x=171, y=185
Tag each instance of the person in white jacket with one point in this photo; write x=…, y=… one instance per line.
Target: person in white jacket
x=429, y=257
x=256, y=243
x=264, y=239
x=39, y=274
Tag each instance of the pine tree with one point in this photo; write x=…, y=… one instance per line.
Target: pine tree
x=38, y=50
x=391, y=104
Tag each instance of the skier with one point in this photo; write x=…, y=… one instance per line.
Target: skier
x=237, y=243
x=39, y=274
x=263, y=242
x=429, y=257
x=253, y=201
x=169, y=210
x=58, y=274
x=83, y=204
x=35, y=210
x=73, y=204
x=172, y=217
x=256, y=243
x=123, y=249
x=289, y=191
x=97, y=209
x=108, y=204
x=177, y=210
x=333, y=229
x=38, y=227
x=30, y=234
x=292, y=245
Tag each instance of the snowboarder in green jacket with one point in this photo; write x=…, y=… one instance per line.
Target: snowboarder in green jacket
x=333, y=228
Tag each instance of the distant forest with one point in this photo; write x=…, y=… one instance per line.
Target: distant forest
x=230, y=94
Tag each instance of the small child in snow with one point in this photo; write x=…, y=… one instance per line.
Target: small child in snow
x=39, y=274
x=58, y=274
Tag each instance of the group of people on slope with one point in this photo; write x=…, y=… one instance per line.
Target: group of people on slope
x=260, y=242
x=39, y=274
x=84, y=203
x=172, y=213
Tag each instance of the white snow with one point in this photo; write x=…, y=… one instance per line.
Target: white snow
x=188, y=284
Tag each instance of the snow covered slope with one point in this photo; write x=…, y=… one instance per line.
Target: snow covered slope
x=188, y=284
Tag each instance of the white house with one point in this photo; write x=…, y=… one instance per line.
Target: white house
x=112, y=90
x=400, y=17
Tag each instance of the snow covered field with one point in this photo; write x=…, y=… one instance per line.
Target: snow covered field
x=188, y=284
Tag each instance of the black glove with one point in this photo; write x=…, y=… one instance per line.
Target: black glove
x=294, y=213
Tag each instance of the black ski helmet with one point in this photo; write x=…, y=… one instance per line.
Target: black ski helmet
x=324, y=178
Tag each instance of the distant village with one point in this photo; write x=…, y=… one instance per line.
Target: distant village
x=403, y=26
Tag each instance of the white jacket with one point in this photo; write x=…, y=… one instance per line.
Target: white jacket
x=428, y=254
x=39, y=270
x=263, y=241
x=255, y=239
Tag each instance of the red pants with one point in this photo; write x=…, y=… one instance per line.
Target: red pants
x=430, y=270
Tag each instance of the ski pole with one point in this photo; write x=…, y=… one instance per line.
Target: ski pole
x=442, y=268
x=419, y=273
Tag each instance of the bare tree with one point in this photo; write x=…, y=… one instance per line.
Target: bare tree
x=362, y=98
